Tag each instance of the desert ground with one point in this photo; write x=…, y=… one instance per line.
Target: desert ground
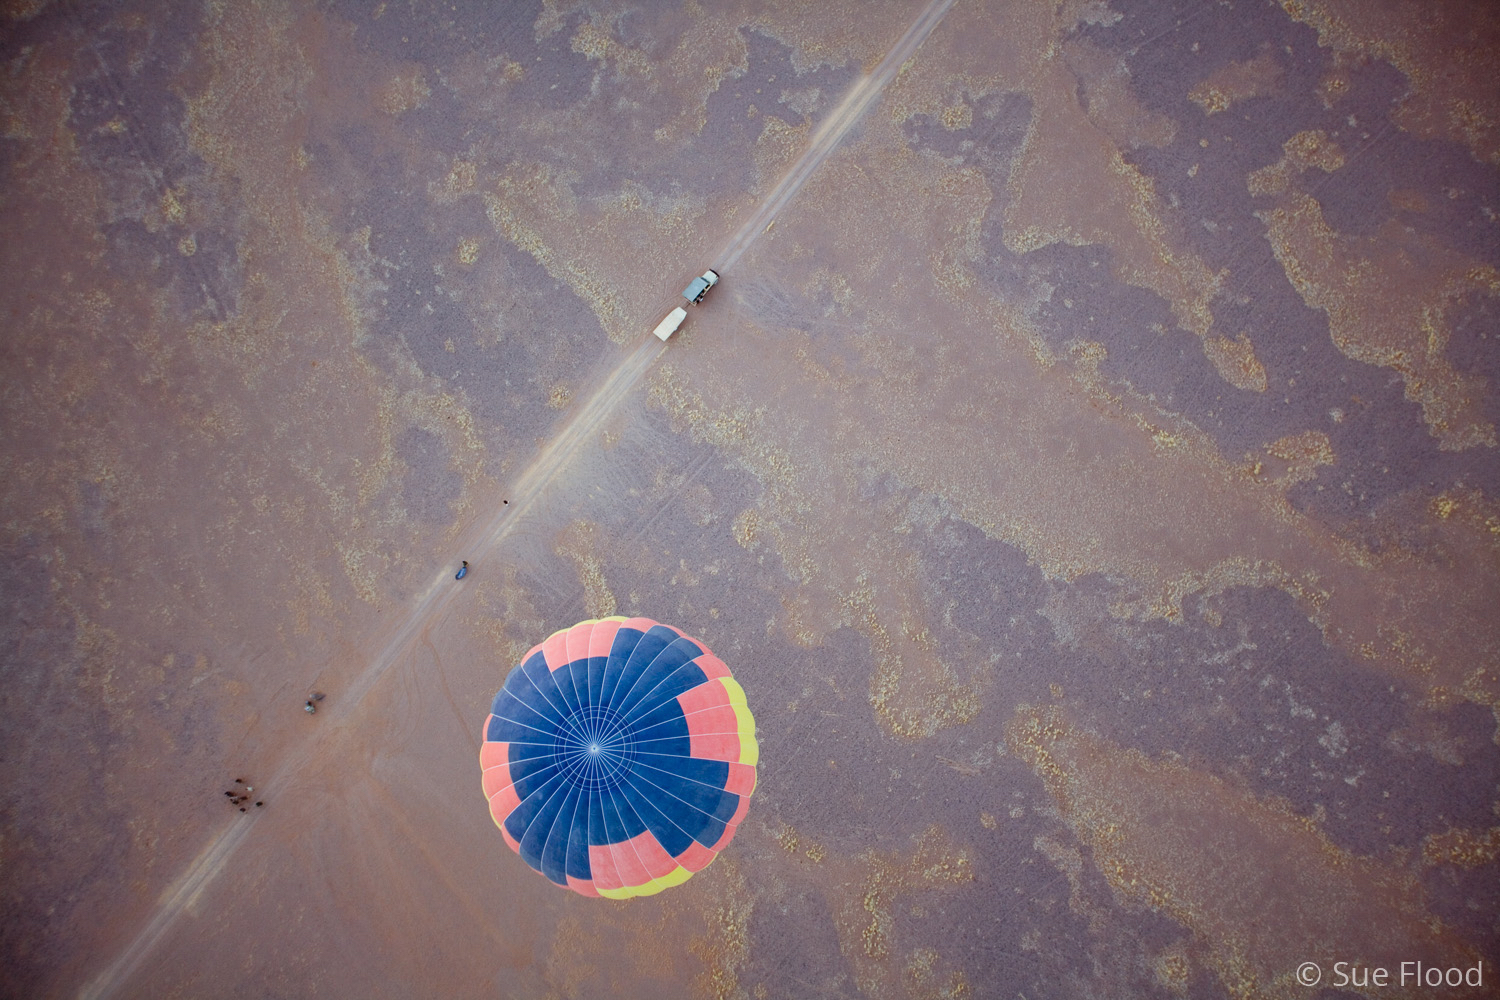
x=1087, y=465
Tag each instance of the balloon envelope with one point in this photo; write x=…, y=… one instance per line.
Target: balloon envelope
x=619, y=757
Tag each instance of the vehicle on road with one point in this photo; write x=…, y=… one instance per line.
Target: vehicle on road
x=694, y=293
x=669, y=326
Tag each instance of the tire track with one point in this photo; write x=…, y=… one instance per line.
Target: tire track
x=837, y=125
x=483, y=538
x=431, y=607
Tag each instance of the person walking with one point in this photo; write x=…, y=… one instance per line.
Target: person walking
x=463, y=570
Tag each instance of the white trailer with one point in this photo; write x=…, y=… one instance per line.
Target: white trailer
x=669, y=326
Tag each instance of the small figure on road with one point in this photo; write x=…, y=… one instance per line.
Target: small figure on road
x=309, y=708
x=259, y=804
x=463, y=570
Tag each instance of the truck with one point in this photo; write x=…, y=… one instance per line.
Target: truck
x=694, y=293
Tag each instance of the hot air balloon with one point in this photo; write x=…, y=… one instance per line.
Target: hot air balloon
x=619, y=757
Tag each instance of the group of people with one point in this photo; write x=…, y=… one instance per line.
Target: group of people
x=238, y=797
x=240, y=794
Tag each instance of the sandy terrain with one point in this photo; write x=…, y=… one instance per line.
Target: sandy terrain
x=1087, y=466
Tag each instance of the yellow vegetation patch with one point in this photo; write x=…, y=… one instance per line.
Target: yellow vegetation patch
x=1238, y=81
x=405, y=91
x=1236, y=362
x=1388, y=298
x=1441, y=49
x=579, y=543
x=1155, y=830
x=864, y=916
x=1303, y=453
x=724, y=945
x=459, y=181
x=1303, y=151
x=1464, y=848
x=956, y=116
